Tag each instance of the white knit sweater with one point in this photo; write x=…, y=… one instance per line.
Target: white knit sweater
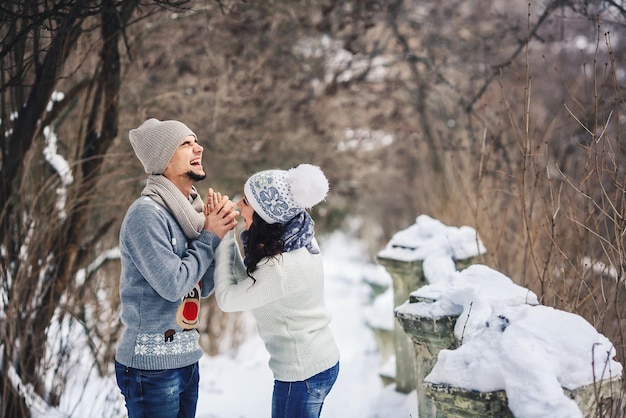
x=287, y=301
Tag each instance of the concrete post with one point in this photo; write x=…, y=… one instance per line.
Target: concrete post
x=406, y=277
x=429, y=336
x=449, y=401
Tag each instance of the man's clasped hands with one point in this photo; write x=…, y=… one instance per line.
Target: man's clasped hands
x=220, y=214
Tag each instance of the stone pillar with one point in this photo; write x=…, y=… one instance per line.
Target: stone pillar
x=429, y=336
x=598, y=399
x=594, y=400
x=406, y=277
x=448, y=401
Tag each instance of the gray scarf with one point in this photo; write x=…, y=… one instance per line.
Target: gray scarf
x=188, y=212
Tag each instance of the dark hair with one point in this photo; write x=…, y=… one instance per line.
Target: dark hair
x=264, y=240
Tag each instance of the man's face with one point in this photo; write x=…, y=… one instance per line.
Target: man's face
x=186, y=163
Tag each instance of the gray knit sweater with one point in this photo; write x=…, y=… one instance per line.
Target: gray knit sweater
x=159, y=266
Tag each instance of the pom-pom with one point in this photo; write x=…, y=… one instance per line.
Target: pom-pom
x=308, y=184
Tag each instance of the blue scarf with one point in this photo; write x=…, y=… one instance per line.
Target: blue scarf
x=299, y=233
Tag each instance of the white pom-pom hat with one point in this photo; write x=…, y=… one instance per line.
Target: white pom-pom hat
x=279, y=195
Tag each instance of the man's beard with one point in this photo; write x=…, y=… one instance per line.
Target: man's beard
x=195, y=176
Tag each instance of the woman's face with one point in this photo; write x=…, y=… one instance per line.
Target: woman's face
x=246, y=211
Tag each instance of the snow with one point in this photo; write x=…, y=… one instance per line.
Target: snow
x=510, y=341
x=429, y=237
x=60, y=165
x=239, y=384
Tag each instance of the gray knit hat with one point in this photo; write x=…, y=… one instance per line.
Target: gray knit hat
x=156, y=141
x=279, y=195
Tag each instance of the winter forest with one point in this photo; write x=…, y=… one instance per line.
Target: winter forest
x=505, y=115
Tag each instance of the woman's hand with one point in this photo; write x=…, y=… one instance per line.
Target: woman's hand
x=220, y=214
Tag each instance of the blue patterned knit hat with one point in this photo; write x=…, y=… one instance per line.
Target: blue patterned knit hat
x=279, y=195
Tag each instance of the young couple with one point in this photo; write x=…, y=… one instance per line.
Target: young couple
x=176, y=249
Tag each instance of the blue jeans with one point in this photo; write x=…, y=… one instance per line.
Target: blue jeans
x=171, y=393
x=303, y=399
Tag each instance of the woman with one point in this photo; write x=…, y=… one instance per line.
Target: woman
x=281, y=281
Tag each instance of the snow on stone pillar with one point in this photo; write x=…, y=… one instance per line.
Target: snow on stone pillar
x=513, y=357
x=405, y=258
x=587, y=401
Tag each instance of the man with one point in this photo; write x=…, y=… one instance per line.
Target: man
x=167, y=244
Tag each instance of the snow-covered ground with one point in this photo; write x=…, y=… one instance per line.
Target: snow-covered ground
x=510, y=342
x=239, y=384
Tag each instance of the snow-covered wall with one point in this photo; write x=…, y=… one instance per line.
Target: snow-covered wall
x=504, y=339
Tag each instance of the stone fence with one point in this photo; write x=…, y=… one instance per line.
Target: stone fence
x=418, y=340
x=431, y=335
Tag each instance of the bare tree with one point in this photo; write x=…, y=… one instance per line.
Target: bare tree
x=52, y=219
x=517, y=120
